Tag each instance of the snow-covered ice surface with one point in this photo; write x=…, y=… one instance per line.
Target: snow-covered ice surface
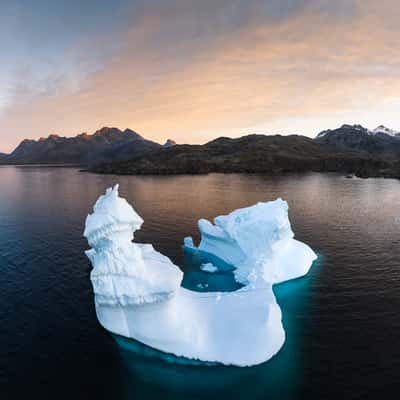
x=138, y=292
x=125, y=273
x=258, y=241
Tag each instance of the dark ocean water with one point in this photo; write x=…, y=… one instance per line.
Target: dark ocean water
x=342, y=321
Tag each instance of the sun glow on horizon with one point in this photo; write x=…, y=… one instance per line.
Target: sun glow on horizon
x=192, y=72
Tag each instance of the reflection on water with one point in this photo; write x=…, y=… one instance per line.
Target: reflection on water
x=341, y=320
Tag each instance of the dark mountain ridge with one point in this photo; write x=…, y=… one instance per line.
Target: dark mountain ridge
x=255, y=154
x=169, y=143
x=351, y=149
x=378, y=143
x=106, y=144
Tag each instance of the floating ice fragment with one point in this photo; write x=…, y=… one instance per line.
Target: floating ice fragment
x=208, y=267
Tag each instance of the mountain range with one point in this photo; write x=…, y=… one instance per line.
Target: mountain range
x=106, y=144
x=351, y=149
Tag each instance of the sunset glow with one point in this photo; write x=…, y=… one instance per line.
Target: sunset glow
x=195, y=70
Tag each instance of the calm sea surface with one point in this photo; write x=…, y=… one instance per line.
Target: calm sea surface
x=342, y=321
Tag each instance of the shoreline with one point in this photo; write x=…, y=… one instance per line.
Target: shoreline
x=94, y=170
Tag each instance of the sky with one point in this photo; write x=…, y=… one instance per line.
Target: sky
x=193, y=70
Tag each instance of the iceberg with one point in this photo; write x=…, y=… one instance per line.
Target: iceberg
x=258, y=241
x=138, y=292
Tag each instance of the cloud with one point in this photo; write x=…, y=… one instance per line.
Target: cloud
x=194, y=70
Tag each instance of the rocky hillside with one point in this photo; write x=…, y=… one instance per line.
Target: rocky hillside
x=255, y=154
x=106, y=144
x=169, y=143
x=380, y=143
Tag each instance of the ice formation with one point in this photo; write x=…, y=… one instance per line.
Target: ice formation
x=258, y=241
x=208, y=267
x=138, y=292
x=125, y=273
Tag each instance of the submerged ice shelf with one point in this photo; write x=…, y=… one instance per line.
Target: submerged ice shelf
x=138, y=292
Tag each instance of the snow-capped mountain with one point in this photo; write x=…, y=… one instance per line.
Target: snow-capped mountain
x=381, y=129
x=380, y=142
x=386, y=131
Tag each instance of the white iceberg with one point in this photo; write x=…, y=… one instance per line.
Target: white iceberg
x=258, y=241
x=125, y=273
x=138, y=292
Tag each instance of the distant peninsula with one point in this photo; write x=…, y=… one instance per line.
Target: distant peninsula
x=349, y=149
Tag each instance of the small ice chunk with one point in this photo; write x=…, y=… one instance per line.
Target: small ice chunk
x=188, y=241
x=208, y=267
x=202, y=285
